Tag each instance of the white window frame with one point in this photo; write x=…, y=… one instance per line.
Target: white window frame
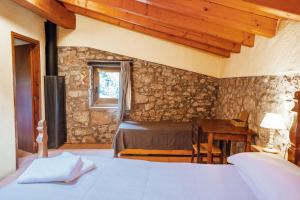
x=94, y=100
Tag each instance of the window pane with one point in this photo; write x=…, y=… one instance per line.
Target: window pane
x=109, y=84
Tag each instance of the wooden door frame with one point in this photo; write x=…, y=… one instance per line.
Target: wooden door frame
x=35, y=83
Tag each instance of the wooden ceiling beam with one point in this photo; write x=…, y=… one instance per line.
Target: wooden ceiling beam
x=219, y=14
x=136, y=10
x=211, y=40
x=154, y=25
x=289, y=9
x=89, y=13
x=51, y=10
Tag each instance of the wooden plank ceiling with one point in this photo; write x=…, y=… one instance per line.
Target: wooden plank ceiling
x=220, y=27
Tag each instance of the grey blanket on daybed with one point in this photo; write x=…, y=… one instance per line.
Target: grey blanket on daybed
x=153, y=135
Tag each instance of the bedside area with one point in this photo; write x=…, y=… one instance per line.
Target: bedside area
x=257, y=148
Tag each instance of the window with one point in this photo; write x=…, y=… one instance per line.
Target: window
x=105, y=85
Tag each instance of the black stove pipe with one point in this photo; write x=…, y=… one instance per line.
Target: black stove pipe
x=51, y=49
x=55, y=98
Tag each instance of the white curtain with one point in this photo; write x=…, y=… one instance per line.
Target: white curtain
x=125, y=90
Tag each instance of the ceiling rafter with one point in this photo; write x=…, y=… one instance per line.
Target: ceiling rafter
x=96, y=15
x=288, y=9
x=154, y=25
x=213, y=41
x=51, y=10
x=134, y=9
x=219, y=14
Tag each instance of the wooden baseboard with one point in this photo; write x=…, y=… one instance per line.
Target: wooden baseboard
x=146, y=152
x=159, y=158
x=185, y=159
x=86, y=146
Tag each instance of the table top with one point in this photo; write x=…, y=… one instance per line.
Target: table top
x=222, y=126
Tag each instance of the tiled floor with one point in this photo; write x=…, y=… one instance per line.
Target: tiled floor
x=107, y=150
x=138, y=157
x=86, y=146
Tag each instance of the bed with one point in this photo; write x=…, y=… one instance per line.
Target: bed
x=137, y=180
x=153, y=136
x=252, y=176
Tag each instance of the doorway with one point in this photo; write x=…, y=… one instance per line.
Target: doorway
x=26, y=72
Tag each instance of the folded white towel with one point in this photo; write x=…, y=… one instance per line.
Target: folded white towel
x=86, y=167
x=59, y=168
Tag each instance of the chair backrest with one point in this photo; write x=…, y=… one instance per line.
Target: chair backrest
x=198, y=132
x=244, y=115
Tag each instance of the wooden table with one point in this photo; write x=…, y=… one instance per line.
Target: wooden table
x=223, y=130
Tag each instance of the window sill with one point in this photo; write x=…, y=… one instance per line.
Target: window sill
x=103, y=107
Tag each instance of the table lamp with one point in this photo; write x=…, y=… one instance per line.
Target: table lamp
x=273, y=122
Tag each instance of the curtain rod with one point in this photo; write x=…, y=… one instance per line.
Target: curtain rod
x=107, y=62
x=101, y=62
x=111, y=60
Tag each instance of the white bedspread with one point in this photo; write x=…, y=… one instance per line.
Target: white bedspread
x=121, y=179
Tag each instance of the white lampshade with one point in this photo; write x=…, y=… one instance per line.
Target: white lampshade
x=273, y=121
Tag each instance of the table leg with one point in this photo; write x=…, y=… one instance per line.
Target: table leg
x=223, y=149
x=248, y=143
x=193, y=155
x=198, y=152
x=209, y=148
x=228, y=148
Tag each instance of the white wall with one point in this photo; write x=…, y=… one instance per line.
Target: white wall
x=275, y=56
x=17, y=19
x=99, y=35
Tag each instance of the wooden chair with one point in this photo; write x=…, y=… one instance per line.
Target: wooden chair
x=200, y=144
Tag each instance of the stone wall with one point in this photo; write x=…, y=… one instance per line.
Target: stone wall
x=258, y=95
x=158, y=93
x=164, y=93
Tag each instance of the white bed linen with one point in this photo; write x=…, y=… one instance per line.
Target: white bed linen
x=121, y=179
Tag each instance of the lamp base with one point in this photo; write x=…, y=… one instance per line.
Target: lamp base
x=270, y=150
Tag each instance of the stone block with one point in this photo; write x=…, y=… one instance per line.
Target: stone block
x=81, y=117
x=101, y=117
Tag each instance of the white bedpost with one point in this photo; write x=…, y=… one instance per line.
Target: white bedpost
x=42, y=139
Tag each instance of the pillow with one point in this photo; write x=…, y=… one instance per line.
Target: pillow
x=268, y=176
x=59, y=168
